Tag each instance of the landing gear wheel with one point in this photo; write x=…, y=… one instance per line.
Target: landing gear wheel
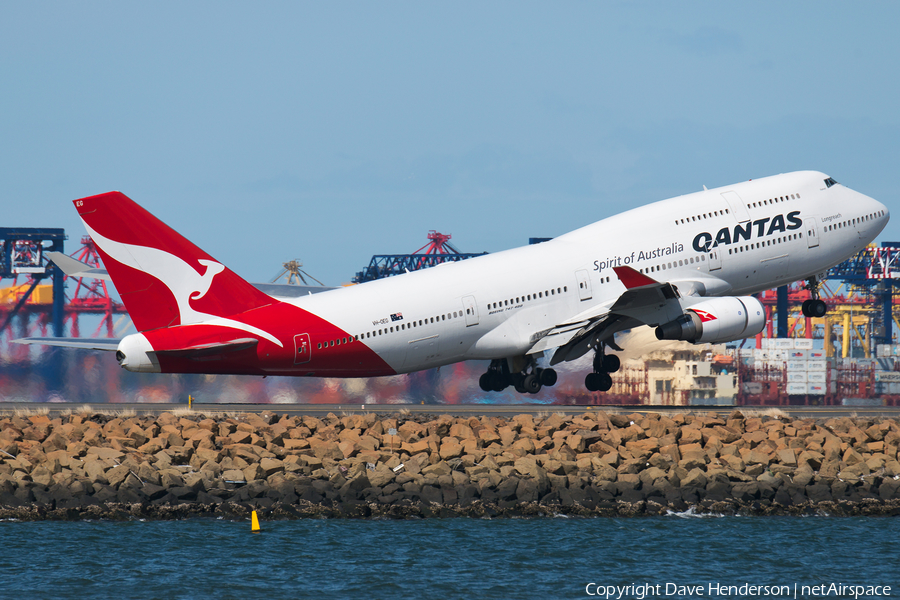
x=814, y=308
x=547, y=377
x=484, y=382
x=818, y=308
x=498, y=381
x=604, y=382
x=598, y=382
x=611, y=363
x=531, y=384
x=518, y=381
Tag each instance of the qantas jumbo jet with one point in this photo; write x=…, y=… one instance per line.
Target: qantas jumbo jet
x=685, y=266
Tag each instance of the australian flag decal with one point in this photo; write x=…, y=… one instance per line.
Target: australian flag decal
x=397, y=317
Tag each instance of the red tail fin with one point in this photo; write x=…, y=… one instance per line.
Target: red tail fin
x=163, y=278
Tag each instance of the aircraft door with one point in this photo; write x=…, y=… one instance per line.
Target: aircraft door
x=737, y=206
x=584, y=284
x=812, y=239
x=302, y=349
x=715, y=259
x=471, y=310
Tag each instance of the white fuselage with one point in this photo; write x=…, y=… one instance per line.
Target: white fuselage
x=789, y=227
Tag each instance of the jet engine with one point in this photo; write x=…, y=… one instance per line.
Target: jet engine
x=717, y=320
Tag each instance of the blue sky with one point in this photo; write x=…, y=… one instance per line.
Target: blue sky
x=334, y=131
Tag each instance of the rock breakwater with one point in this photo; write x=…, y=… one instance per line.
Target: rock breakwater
x=175, y=465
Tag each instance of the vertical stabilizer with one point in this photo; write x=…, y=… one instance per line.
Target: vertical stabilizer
x=163, y=279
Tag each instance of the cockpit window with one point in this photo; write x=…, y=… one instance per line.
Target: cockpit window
x=830, y=182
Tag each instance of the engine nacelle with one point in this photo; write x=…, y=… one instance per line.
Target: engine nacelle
x=136, y=354
x=717, y=320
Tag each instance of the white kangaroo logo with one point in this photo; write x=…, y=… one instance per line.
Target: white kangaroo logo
x=182, y=279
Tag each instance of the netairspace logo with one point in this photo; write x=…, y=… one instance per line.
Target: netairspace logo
x=640, y=591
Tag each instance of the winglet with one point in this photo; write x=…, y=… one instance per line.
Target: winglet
x=631, y=278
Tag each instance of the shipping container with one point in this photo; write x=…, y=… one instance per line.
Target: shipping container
x=887, y=376
x=816, y=389
x=816, y=377
x=816, y=365
x=803, y=344
x=752, y=387
x=797, y=365
x=797, y=388
x=797, y=376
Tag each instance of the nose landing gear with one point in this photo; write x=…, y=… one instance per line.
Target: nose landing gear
x=604, y=364
x=528, y=380
x=814, y=307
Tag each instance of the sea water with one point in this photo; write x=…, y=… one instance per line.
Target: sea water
x=453, y=558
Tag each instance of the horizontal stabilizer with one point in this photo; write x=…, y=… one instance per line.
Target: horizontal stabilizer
x=76, y=268
x=290, y=290
x=105, y=344
x=209, y=351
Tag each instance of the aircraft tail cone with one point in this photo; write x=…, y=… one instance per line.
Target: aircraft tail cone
x=254, y=527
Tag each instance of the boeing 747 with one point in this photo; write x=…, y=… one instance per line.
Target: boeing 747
x=686, y=266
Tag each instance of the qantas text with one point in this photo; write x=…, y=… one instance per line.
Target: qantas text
x=756, y=229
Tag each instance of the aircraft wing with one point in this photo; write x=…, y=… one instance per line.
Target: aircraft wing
x=645, y=301
x=76, y=268
x=105, y=344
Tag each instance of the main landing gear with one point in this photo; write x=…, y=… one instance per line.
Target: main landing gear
x=604, y=364
x=528, y=380
x=814, y=307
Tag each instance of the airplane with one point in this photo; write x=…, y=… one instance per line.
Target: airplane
x=686, y=266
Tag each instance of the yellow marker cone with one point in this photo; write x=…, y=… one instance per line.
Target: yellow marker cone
x=255, y=523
